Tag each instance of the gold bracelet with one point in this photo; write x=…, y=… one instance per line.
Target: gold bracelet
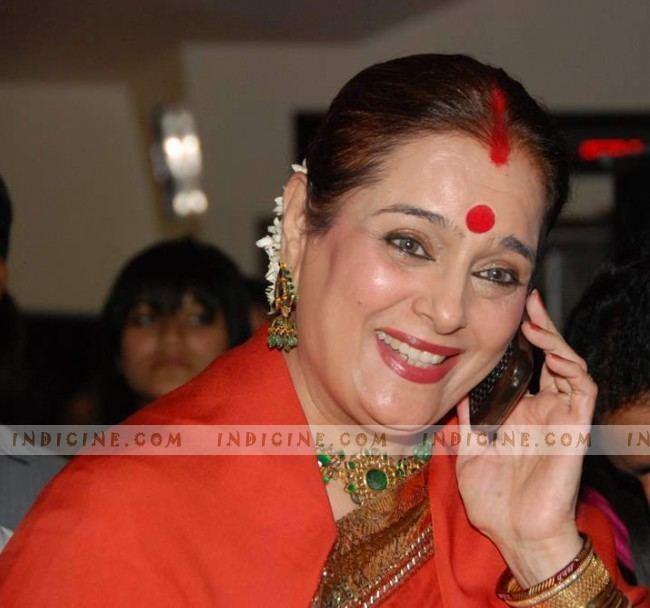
x=521, y=598
x=584, y=583
x=610, y=597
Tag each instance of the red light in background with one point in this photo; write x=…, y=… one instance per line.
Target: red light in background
x=593, y=149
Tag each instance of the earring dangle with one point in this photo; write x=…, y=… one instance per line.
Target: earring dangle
x=283, y=334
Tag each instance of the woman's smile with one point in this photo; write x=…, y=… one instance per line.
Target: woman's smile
x=427, y=364
x=402, y=308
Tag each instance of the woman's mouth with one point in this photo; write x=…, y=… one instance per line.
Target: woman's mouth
x=170, y=363
x=410, y=354
x=415, y=359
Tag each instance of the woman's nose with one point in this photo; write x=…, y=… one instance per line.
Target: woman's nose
x=170, y=329
x=444, y=304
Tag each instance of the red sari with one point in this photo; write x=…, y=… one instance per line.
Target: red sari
x=245, y=531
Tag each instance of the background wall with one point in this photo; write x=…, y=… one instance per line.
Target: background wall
x=75, y=156
x=77, y=173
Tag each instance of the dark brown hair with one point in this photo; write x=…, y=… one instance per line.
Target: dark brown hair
x=160, y=276
x=610, y=329
x=387, y=104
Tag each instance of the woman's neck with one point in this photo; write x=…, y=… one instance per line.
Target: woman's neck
x=318, y=408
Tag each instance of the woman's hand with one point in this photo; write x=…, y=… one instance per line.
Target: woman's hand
x=525, y=503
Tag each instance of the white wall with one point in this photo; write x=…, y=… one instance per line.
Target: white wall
x=71, y=157
x=245, y=98
x=574, y=54
x=577, y=55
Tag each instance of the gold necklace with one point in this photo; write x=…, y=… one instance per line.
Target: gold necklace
x=368, y=473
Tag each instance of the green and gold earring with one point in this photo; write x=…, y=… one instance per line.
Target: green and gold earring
x=283, y=334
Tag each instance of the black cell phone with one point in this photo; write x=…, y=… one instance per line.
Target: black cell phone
x=492, y=400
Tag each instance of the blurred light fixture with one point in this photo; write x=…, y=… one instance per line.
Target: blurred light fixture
x=177, y=161
x=187, y=202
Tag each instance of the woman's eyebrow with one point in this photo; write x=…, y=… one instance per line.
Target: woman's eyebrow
x=514, y=244
x=431, y=216
x=509, y=242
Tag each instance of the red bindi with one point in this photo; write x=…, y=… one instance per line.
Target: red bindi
x=480, y=218
x=499, y=139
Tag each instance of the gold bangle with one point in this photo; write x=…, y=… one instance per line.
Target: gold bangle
x=521, y=598
x=584, y=590
x=588, y=585
x=611, y=597
x=537, y=599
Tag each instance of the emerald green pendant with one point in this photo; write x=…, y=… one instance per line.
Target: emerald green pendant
x=377, y=480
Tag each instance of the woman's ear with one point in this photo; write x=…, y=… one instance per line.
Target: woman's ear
x=294, y=228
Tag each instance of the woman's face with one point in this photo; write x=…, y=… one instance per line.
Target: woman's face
x=403, y=307
x=161, y=352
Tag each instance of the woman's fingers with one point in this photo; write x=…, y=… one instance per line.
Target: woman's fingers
x=541, y=331
x=573, y=382
x=551, y=342
x=537, y=312
x=462, y=409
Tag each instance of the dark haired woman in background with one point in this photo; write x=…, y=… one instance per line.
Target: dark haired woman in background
x=402, y=257
x=173, y=308
x=610, y=329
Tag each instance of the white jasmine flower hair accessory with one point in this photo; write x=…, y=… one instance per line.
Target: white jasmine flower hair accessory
x=272, y=242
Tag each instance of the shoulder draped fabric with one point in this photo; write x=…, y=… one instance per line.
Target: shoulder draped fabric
x=212, y=531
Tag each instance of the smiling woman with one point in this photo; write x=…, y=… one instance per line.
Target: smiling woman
x=419, y=274
x=402, y=261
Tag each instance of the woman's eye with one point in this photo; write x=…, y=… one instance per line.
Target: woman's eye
x=502, y=276
x=142, y=319
x=197, y=319
x=409, y=246
x=142, y=315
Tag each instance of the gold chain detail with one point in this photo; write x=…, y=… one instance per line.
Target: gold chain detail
x=368, y=473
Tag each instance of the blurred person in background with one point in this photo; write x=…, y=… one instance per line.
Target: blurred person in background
x=173, y=308
x=21, y=476
x=610, y=329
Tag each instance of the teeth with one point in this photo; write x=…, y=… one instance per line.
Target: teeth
x=413, y=356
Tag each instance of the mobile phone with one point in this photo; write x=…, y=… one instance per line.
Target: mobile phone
x=492, y=400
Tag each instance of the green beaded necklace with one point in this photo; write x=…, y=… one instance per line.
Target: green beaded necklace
x=368, y=473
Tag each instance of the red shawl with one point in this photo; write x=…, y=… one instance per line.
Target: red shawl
x=207, y=531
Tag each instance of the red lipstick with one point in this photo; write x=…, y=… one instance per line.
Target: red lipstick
x=420, y=375
x=436, y=349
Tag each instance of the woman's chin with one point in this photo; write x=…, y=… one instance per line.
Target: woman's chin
x=407, y=418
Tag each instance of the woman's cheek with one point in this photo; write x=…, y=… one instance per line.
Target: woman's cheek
x=379, y=282
x=136, y=343
x=507, y=310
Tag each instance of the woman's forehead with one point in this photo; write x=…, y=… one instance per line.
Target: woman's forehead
x=167, y=298
x=455, y=175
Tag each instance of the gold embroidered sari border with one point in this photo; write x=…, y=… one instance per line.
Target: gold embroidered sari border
x=378, y=547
